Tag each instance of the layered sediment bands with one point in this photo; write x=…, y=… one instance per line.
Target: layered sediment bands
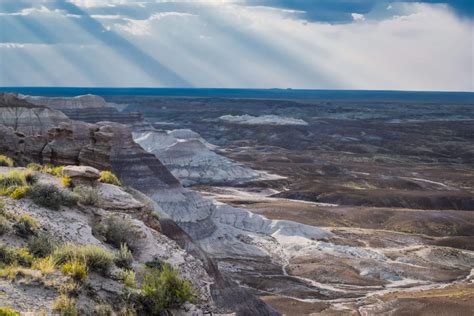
x=192, y=160
x=127, y=159
x=27, y=118
x=108, y=145
x=65, y=143
x=225, y=292
x=88, y=108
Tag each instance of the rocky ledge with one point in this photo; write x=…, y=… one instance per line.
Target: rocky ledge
x=87, y=250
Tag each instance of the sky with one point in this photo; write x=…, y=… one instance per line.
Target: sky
x=310, y=44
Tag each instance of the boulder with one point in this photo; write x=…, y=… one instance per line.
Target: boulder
x=112, y=197
x=82, y=175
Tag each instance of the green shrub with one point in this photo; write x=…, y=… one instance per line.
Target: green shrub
x=127, y=310
x=86, y=195
x=118, y=231
x=56, y=171
x=128, y=277
x=70, y=288
x=75, y=269
x=19, y=256
x=103, y=310
x=155, y=263
x=65, y=306
x=30, y=177
x=124, y=257
x=34, y=167
x=50, y=196
x=4, y=226
x=25, y=226
x=6, y=311
x=41, y=246
x=109, y=177
x=2, y=206
x=45, y=265
x=163, y=289
x=6, y=161
x=94, y=257
x=66, y=182
x=11, y=180
x=19, y=192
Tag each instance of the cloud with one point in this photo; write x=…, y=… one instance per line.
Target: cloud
x=29, y=11
x=142, y=27
x=358, y=17
x=252, y=44
x=341, y=11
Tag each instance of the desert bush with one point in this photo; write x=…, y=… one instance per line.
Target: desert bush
x=118, y=231
x=45, y=265
x=127, y=310
x=4, y=226
x=163, y=289
x=34, y=166
x=30, y=177
x=94, y=257
x=128, y=277
x=103, y=310
x=65, y=306
x=25, y=226
x=86, y=195
x=123, y=257
x=56, y=171
x=109, y=177
x=11, y=180
x=6, y=161
x=20, y=256
x=6, y=311
x=41, y=246
x=66, y=182
x=13, y=271
x=19, y=192
x=75, y=269
x=70, y=288
x=50, y=196
x=155, y=263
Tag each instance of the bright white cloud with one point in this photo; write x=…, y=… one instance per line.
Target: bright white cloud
x=30, y=11
x=142, y=27
x=358, y=17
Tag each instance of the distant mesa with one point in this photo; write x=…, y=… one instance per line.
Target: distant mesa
x=262, y=120
x=88, y=108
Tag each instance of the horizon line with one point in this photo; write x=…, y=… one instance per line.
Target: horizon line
x=217, y=88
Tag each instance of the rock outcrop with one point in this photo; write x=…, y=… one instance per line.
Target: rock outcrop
x=192, y=160
x=73, y=224
x=38, y=133
x=81, y=174
x=88, y=108
x=27, y=118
